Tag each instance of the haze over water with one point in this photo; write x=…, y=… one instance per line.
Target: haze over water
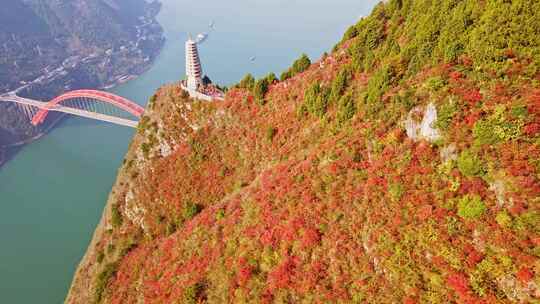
x=52, y=193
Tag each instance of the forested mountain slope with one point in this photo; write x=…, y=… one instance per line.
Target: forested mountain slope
x=403, y=167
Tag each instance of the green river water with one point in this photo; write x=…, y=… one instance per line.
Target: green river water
x=53, y=191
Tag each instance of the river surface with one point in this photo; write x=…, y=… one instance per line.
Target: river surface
x=52, y=192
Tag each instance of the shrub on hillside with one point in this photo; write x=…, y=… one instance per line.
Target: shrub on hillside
x=370, y=30
x=116, y=216
x=469, y=164
x=503, y=219
x=270, y=133
x=260, y=89
x=518, y=27
x=471, y=207
x=102, y=279
x=286, y=75
x=447, y=31
x=350, y=33
x=145, y=149
x=100, y=256
x=445, y=114
x=496, y=128
x=143, y=125
x=396, y=191
x=528, y=221
x=247, y=82
x=190, y=210
x=194, y=294
x=436, y=83
x=299, y=66
x=346, y=108
x=340, y=83
x=315, y=100
x=271, y=78
x=377, y=86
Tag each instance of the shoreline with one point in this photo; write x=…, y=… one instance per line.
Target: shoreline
x=27, y=141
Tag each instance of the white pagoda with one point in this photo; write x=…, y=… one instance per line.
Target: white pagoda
x=193, y=65
x=194, y=84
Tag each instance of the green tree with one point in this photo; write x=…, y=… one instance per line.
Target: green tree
x=377, y=86
x=469, y=164
x=496, y=128
x=471, y=207
x=190, y=210
x=271, y=78
x=346, y=108
x=247, y=82
x=107, y=272
x=301, y=64
x=271, y=133
x=350, y=33
x=315, y=100
x=193, y=294
x=116, y=216
x=340, y=83
x=286, y=75
x=260, y=89
x=445, y=115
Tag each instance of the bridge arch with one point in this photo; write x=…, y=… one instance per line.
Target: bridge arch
x=115, y=100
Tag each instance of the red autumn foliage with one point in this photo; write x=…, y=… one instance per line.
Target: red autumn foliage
x=509, y=53
x=532, y=129
x=534, y=103
x=310, y=238
x=456, y=75
x=473, y=256
x=425, y=212
x=282, y=275
x=525, y=275
x=472, y=96
x=459, y=283
x=472, y=117
x=244, y=272
x=409, y=300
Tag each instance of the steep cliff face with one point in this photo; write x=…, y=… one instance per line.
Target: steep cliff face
x=403, y=167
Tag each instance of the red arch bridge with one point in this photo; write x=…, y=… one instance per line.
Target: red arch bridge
x=93, y=104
